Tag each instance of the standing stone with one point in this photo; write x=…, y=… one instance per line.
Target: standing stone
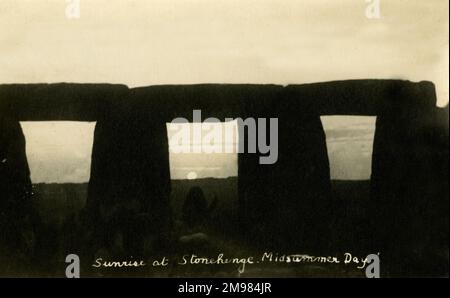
x=128, y=196
x=286, y=203
x=16, y=208
x=408, y=175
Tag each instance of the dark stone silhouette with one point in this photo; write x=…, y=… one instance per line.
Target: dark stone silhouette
x=130, y=175
x=403, y=178
x=410, y=186
x=16, y=206
x=62, y=101
x=287, y=205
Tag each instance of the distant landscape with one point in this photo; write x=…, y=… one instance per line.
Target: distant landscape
x=57, y=202
x=54, y=157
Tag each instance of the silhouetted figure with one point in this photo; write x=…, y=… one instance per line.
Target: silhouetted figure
x=196, y=211
x=195, y=229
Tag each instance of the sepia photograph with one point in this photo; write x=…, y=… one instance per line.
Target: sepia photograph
x=250, y=139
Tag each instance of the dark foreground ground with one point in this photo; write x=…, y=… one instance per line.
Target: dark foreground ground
x=59, y=202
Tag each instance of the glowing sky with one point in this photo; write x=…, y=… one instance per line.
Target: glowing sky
x=60, y=152
x=138, y=43
x=152, y=42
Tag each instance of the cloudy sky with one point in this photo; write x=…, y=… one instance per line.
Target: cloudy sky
x=59, y=152
x=228, y=41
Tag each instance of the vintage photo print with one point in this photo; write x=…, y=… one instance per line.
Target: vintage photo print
x=224, y=139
